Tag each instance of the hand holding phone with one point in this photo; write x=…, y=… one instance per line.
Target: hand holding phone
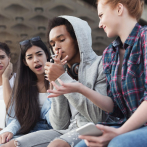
x=89, y=130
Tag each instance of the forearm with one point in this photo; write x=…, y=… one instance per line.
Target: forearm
x=138, y=119
x=13, y=127
x=103, y=102
x=6, y=90
x=59, y=114
x=81, y=103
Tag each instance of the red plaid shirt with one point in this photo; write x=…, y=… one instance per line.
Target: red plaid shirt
x=134, y=73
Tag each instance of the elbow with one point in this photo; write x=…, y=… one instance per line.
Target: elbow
x=110, y=108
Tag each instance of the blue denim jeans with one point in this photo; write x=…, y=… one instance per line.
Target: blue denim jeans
x=136, y=138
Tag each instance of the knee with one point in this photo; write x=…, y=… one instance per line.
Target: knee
x=58, y=143
x=113, y=143
x=9, y=144
x=117, y=142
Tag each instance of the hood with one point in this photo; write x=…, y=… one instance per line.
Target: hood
x=83, y=35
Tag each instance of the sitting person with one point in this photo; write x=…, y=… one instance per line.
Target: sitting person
x=6, y=80
x=125, y=66
x=29, y=96
x=70, y=36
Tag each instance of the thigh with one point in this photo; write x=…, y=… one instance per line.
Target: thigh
x=136, y=138
x=71, y=138
x=37, y=139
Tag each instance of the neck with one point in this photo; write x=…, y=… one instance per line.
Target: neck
x=75, y=59
x=40, y=78
x=126, y=28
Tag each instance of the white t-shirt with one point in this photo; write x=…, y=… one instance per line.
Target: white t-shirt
x=11, y=81
x=2, y=104
x=42, y=98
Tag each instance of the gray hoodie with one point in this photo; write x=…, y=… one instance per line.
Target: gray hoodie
x=90, y=74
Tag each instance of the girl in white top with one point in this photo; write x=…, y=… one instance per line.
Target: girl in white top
x=29, y=97
x=6, y=80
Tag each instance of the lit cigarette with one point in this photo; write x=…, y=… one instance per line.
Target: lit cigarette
x=54, y=55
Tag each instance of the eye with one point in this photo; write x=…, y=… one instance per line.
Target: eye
x=2, y=57
x=39, y=54
x=100, y=16
x=52, y=44
x=29, y=58
x=62, y=40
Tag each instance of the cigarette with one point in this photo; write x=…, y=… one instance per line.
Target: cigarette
x=54, y=55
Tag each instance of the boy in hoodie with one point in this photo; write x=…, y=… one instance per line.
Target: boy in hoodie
x=70, y=36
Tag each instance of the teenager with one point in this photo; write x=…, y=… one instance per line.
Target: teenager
x=125, y=66
x=6, y=80
x=70, y=36
x=29, y=96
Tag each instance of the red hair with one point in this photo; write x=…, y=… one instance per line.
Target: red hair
x=134, y=7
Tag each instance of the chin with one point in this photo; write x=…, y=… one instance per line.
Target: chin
x=110, y=35
x=39, y=73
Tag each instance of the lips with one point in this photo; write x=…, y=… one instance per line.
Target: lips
x=104, y=28
x=38, y=67
x=1, y=67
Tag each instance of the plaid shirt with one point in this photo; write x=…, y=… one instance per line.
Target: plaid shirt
x=133, y=74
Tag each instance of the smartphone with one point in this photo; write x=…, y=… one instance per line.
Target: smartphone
x=89, y=130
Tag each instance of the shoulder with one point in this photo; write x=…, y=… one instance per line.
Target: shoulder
x=143, y=32
x=142, y=36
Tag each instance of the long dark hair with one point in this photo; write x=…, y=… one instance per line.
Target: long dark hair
x=5, y=48
x=25, y=92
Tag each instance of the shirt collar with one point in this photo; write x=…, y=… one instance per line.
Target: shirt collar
x=131, y=38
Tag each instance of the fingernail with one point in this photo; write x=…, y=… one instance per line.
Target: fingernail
x=16, y=143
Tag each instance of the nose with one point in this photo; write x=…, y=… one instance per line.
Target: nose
x=57, y=48
x=100, y=25
x=36, y=59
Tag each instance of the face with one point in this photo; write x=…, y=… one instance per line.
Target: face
x=60, y=39
x=109, y=19
x=35, y=59
x=4, y=61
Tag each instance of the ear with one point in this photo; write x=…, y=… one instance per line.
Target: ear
x=25, y=62
x=120, y=9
